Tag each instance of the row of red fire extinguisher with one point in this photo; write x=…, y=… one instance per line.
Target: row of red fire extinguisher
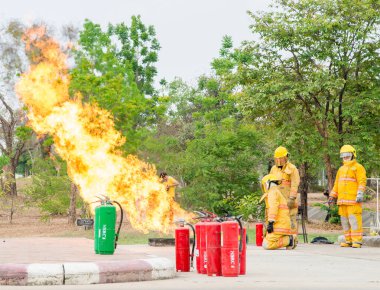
x=220, y=248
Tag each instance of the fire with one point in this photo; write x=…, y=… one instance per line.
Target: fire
x=84, y=136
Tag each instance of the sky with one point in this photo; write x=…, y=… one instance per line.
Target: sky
x=189, y=31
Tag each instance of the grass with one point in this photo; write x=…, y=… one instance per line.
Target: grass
x=132, y=237
x=330, y=236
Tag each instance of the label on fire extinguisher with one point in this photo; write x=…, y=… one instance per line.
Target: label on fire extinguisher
x=232, y=258
x=196, y=252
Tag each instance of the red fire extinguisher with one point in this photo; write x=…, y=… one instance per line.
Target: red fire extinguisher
x=230, y=248
x=200, y=252
x=259, y=234
x=183, y=258
x=213, y=249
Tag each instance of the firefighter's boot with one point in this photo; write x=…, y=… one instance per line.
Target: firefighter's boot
x=356, y=245
x=293, y=241
x=345, y=245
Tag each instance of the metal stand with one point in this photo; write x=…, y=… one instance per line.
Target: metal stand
x=301, y=216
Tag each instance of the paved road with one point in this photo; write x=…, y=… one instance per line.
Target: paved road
x=307, y=267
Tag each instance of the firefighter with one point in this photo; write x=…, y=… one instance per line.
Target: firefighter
x=279, y=232
x=348, y=191
x=169, y=182
x=288, y=173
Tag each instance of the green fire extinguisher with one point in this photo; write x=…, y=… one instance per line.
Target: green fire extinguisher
x=105, y=237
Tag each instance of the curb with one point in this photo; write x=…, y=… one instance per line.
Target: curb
x=86, y=273
x=369, y=241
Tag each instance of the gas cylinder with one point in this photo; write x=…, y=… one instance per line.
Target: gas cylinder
x=182, y=249
x=230, y=248
x=213, y=249
x=259, y=234
x=104, y=228
x=243, y=252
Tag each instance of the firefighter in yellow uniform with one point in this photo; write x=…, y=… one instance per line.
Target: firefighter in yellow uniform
x=349, y=187
x=288, y=173
x=279, y=233
x=170, y=183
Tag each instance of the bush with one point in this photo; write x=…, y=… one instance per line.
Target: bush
x=332, y=213
x=250, y=207
x=50, y=189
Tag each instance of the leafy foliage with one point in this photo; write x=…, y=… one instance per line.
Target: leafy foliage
x=117, y=73
x=333, y=216
x=313, y=68
x=250, y=207
x=50, y=189
x=204, y=142
x=4, y=160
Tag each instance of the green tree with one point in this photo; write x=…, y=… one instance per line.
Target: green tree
x=117, y=76
x=220, y=166
x=139, y=47
x=14, y=135
x=204, y=143
x=311, y=74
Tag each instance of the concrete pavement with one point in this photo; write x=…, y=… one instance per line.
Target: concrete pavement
x=72, y=261
x=307, y=267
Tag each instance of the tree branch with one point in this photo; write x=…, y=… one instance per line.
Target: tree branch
x=10, y=110
x=317, y=124
x=3, y=149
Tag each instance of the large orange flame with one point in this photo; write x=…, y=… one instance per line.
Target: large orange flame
x=84, y=136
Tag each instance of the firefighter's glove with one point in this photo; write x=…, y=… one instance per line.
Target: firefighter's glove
x=270, y=227
x=332, y=200
x=291, y=202
x=360, y=196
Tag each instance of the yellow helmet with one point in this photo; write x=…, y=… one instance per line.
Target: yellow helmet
x=264, y=180
x=347, y=149
x=280, y=152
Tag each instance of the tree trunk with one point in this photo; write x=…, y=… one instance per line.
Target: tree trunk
x=2, y=183
x=73, y=200
x=10, y=187
x=304, y=187
x=329, y=171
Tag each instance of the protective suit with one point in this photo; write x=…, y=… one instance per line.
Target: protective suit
x=279, y=232
x=289, y=175
x=170, y=183
x=349, y=187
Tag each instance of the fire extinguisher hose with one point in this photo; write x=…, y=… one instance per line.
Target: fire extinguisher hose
x=238, y=219
x=120, y=223
x=193, y=247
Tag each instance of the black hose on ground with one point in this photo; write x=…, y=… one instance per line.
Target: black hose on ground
x=238, y=218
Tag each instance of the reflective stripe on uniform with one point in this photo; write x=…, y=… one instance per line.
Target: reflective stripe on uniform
x=280, y=242
x=356, y=234
x=344, y=222
x=346, y=201
x=347, y=179
x=281, y=230
x=272, y=216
